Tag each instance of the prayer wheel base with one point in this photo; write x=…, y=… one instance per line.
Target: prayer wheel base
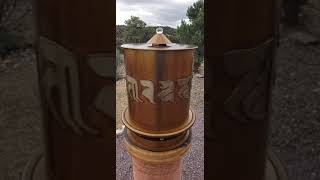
x=35, y=169
x=143, y=170
x=149, y=165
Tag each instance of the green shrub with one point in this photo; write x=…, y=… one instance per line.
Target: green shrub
x=292, y=9
x=8, y=43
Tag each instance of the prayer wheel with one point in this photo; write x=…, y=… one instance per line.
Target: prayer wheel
x=158, y=118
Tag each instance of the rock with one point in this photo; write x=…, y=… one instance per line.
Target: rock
x=304, y=38
x=315, y=4
x=311, y=18
x=199, y=76
x=201, y=68
x=316, y=90
x=3, y=68
x=120, y=131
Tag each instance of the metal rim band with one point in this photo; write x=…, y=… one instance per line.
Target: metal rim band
x=187, y=140
x=157, y=157
x=161, y=139
x=185, y=127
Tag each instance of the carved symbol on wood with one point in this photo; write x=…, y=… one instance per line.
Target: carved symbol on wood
x=63, y=75
x=250, y=98
x=104, y=66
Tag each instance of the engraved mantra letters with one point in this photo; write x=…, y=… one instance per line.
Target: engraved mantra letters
x=166, y=90
x=62, y=76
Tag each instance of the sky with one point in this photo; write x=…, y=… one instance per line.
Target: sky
x=154, y=12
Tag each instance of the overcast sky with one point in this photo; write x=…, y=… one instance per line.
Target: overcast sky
x=154, y=12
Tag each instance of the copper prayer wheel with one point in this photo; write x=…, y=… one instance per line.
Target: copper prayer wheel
x=158, y=84
x=159, y=77
x=158, y=117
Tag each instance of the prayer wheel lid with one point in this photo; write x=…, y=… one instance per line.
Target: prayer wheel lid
x=159, y=39
x=158, y=42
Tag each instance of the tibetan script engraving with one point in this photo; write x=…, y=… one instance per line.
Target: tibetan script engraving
x=132, y=88
x=167, y=90
x=185, y=85
x=148, y=91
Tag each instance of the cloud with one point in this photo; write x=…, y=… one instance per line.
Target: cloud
x=154, y=12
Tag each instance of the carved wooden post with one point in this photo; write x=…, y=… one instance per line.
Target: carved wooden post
x=76, y=65
x=240, y=58
x=158, y=117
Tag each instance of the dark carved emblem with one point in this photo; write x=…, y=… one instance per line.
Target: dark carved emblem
x=252, y=69
x=62, y=78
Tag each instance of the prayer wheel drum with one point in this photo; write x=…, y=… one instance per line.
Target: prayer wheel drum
x=159, y=77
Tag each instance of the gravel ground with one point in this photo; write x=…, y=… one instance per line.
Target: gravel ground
x=193, y=166
x=121, y=100
x=295, y=133
x=20, y=118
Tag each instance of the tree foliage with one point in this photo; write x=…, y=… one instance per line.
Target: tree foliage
x=11, y=18
x=135, y=31
x=193, y=32
x=10, y=15
x=292, y=9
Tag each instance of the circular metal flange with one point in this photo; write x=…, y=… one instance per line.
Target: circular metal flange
x=169, y=47
x=189, y=122
x=157, y=157
x=157, y=144
x=35, y=169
